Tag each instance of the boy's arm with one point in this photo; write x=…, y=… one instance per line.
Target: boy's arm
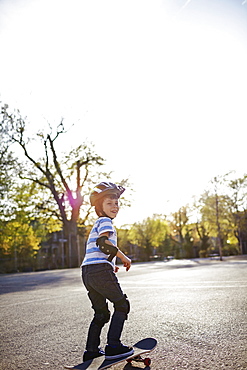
x=125, y=260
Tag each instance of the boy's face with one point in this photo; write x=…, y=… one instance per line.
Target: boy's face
x=110, y=207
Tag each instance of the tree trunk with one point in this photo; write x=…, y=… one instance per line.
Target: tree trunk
x=71, y=250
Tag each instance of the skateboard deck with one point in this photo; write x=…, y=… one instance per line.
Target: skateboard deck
x=140, y=348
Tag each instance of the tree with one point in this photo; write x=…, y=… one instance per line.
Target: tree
x=148, y=235
x=215, y=214
x=21, y=230
x=181, y=233
x=62, y=181
x=8, y=165
x=237, y=205
x=204, y=236
x=19, y=241
x=123, y=242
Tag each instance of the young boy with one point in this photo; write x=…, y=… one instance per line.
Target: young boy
x=99, y=278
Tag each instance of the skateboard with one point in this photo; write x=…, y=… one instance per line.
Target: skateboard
x=140, y=348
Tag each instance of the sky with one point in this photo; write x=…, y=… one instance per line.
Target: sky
x=159, y=87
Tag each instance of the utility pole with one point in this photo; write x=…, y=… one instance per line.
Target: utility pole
x=218, y=222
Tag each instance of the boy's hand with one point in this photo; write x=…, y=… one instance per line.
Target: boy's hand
x=125, y=260
x=127, y=265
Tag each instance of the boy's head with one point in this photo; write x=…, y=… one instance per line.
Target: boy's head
x=105, y=199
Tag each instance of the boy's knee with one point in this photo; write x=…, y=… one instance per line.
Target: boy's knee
x=101, y=317
x=123, y=305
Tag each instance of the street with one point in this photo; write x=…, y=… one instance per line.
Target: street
x=196, y=309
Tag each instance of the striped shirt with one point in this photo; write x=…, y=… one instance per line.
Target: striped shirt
x=93, y=253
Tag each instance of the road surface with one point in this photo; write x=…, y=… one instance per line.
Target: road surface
x=197, y=310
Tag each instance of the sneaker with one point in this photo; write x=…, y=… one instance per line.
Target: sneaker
x=88, y=355
x=114, y=352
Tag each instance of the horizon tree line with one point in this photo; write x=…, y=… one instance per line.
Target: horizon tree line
x=43, y=194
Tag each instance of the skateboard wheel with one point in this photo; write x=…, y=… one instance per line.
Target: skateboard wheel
x=147, y=361
x=129, y=361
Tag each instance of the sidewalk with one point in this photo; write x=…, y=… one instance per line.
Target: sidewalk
x=195, y=261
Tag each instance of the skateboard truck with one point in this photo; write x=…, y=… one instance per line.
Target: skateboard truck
x=146, y=361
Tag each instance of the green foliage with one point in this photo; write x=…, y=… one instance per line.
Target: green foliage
x=124, y=242
x=21, y=231
x=148, y=235
x=221, y=223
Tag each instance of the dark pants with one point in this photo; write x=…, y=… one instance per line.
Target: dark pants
x=102, y=284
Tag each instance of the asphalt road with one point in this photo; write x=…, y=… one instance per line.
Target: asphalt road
x=197, y=310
